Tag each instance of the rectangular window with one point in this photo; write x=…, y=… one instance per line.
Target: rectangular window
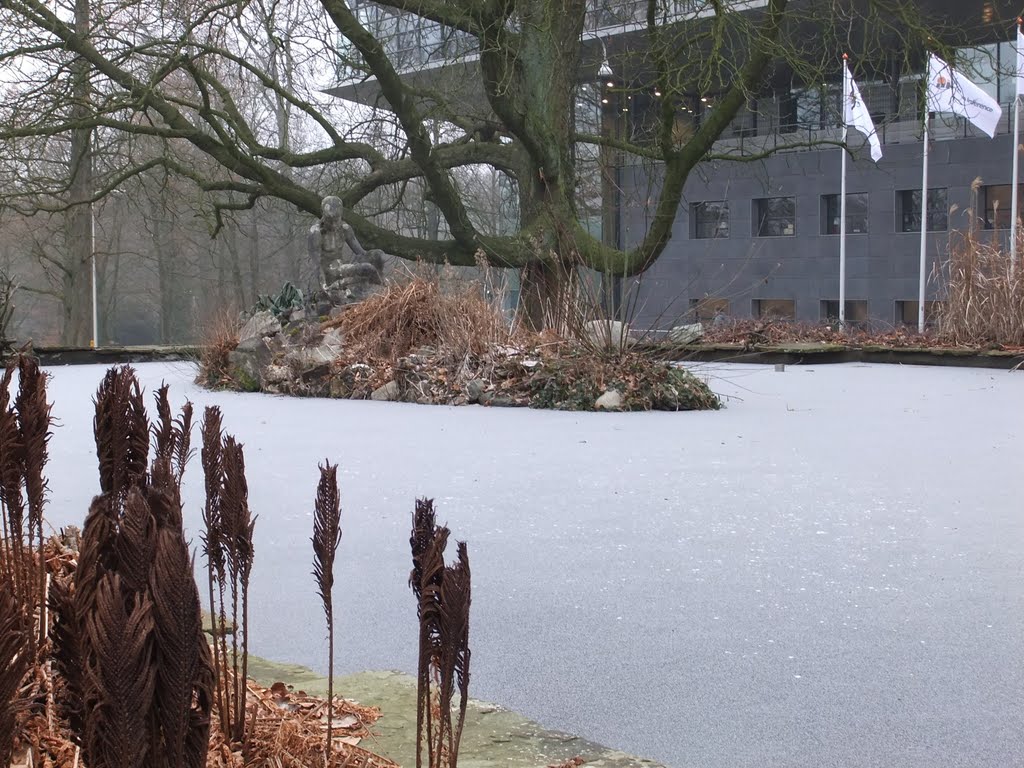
x=778, y=309
x=856, y=214
x=709, y=309
x=998, y=204
x=775, y=216
x=908, y=210
x=711, y=219
x=906, y=312
x=856, y=311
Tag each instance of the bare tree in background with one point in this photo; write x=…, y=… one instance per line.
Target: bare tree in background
x=238, y=85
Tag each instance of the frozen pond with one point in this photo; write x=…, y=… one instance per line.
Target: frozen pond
x=830, y=572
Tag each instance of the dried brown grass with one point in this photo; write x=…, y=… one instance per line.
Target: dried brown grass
x=418, y=312
x=218, y=336
x=983, y=303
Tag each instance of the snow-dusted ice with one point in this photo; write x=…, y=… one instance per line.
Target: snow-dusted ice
x=830, y=572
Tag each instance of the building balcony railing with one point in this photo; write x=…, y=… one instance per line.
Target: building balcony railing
x=940, y=128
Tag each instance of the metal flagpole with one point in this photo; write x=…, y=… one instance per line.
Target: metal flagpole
x=1016, y=153
x=1013, y=191
x=92, y=248
x=842, y=203
x=924, y=223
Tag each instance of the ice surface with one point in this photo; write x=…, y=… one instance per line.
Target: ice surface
x=830, y=572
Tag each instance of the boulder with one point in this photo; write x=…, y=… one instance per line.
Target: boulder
x=611, y=400
x=686, y=334
x=276, y=374
x=327, y=351
x=474, y=389
x=261, y=324
x=389, y=391
x=245, y=369
x=607, y=334
x=248, y=360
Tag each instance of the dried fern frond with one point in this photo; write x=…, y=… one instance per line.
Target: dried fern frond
x=427, y=542
x=443, y=601
x=454, y=663
x=326, y=538
x=12, y=502
x=236, y=527
x=121, y=428
x=197, y=739
x=213, y=475
x=424, y=530
x=135, y=543
x=121, y=673
x=183, y=445
x=14, y=663
x=12, y=470
x=97, y=553
x=67, y=655
x=164, y=435
x=326, y=534
x=34, y=422
x=179, y=640
x=212, y=539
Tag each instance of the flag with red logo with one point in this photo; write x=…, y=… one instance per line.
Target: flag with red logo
x=950, y=91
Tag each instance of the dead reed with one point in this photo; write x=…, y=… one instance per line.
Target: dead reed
x=443, y=598
x=983, y=301
x=218, y=336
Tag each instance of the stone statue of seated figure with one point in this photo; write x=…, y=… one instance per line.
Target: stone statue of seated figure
x=346, y=269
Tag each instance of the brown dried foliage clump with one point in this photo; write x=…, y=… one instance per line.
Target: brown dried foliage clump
x=420, y=312
x=288, y=731
x=776, y=332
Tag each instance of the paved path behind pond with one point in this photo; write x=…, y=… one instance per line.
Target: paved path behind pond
x=830, y=572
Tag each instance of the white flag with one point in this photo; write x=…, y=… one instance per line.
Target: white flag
x=950, y=91
x=856, y=115
x=1020, y=62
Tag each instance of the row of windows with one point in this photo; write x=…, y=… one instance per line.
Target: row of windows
x=776, y=216
x=714, y=310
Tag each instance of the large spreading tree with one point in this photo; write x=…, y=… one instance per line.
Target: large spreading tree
x=230, y=95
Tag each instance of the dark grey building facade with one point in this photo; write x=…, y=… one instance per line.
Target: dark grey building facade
x=761, y=238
